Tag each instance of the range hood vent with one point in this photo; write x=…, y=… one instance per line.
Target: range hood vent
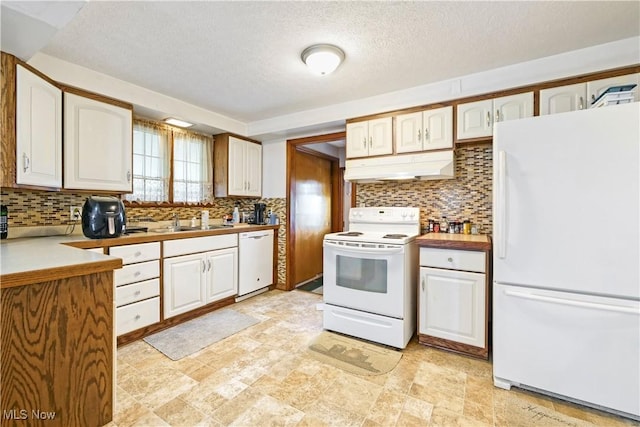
x=431, y=165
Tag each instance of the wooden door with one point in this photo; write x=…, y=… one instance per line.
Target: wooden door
x=312, y=217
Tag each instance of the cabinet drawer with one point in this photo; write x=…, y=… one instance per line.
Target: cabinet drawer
x=137, y=292
x=136, y=272
x=138, y=315
x=453, y=259
x=136, y=253
x=199, y=244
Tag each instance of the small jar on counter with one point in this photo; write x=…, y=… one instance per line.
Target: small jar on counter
x=466, y=227
x=430, y=226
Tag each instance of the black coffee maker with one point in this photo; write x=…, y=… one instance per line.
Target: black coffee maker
x=259, y=213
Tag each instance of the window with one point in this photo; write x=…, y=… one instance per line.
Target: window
x=155, y=145
x=192, y=168
x=150, y=163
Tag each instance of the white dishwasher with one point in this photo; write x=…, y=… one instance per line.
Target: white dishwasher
x=255, y=264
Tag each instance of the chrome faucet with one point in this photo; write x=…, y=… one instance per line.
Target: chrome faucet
x=176, y=221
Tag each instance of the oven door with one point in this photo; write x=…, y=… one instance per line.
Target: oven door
x=364, y=276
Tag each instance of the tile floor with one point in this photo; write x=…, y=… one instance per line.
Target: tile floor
x=262, y=376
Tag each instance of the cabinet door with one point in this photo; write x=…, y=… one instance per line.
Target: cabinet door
x=357, y=139
x=596, y=87
x=38, y=131
x=563, y=99
x=474, y=119
x=183, y=284
x=452, y=305
x=98, y=145
x=438, y=128
x=409, y=132
x=380, y=136
x=513, y=107
x=237, y=164
x=222, y=274
x=253, y=169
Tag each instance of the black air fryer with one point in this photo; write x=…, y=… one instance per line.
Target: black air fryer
x=103, y=217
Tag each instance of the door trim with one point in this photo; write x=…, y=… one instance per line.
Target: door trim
x=293, y=146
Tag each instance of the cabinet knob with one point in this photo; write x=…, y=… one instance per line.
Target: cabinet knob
x=450, y=259
x=419, y=135
x=208, y=265
x=498, y=116
x=137, y=317
x=426, y=134
x=488, y=119
x=422, y=283
x=25, y=162
x=136, y=274
x=129, y=176
x=136, y=293
x=364, y=142
x=370, y=142
x=581, y=104
x=137, y=254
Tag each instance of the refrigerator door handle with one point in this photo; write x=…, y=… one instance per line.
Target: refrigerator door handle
x=574, y=303
x=501, y=208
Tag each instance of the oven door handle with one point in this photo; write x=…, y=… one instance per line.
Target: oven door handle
x=365, y=250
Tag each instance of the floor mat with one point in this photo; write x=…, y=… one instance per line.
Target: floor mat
x=194, y=335
x=314, y=286
x=353, y=355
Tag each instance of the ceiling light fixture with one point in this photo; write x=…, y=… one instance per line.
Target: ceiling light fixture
x=177, y=122
x=322, y=59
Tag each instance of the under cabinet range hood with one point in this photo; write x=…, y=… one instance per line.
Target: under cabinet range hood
x=431, y=165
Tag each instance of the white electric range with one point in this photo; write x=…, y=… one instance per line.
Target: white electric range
x=370, y=275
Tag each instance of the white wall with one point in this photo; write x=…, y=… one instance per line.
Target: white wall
x=274, y=169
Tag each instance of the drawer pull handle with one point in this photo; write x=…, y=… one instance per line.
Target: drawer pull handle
x=137, y=273
x=137, y=317
x=137, y=293
x=450, y=259
x=137, y=253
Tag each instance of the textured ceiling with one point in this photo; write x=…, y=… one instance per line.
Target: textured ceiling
x=242, y=59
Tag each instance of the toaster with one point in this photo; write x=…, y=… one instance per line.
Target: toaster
x=103, y=217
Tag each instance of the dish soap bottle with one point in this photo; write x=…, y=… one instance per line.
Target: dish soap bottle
x=236, y=215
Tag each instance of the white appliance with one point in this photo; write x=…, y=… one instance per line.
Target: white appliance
x=255, y=265
x=428, y=165
x=566, y=307
x=370, y=275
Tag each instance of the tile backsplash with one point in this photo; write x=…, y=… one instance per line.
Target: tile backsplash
x=467, y=196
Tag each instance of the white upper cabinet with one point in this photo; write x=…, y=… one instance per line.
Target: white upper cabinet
x=579, y=96
x=475, y=119
x=424, y=130
x=38, y=130
x=97, y=145
x=596, y=87
x=370, y=138
x=563, y=99
x=245, y=168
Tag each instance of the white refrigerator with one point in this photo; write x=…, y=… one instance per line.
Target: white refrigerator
x=566, y=261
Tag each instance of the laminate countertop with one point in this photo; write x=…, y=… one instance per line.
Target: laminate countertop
x=29, y=260
x=476, y=242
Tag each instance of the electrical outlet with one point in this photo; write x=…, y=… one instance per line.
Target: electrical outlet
x=75, y=213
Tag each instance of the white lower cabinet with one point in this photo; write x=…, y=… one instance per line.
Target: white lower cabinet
x=137, y=286
x=453, y=304
x=195, y=279
x=452, y=300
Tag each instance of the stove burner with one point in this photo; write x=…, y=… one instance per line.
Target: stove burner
x=394, y=236
x=351, y=234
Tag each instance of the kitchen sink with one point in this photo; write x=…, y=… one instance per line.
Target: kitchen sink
x=186, y=228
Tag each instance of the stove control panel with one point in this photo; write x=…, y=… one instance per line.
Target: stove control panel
x=384, y=215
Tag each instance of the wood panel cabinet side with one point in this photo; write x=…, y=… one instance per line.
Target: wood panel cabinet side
x=221, y=165
x=8, y=117
x=57, y=352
